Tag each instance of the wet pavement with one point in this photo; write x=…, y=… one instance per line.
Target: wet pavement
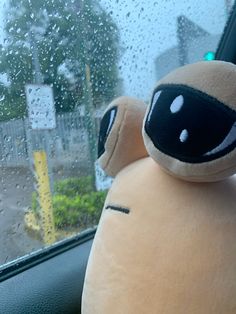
x=16, y=187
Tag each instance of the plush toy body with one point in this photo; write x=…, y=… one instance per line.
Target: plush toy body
x=163, y=244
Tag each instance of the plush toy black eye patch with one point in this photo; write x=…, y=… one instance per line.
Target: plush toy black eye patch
x=105, y=128
x=189, y=125
x=118, y=208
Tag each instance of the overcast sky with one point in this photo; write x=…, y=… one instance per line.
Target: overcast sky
x=148, y=28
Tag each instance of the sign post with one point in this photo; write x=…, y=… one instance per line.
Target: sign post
x=41, y=112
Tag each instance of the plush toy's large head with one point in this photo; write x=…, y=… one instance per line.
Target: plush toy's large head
x=190, y=127
x=166, y=245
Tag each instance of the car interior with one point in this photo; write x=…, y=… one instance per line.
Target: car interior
x=50, y=280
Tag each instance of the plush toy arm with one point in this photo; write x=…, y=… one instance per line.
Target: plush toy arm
x=120, y=138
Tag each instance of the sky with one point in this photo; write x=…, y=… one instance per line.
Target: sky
x=148, y=28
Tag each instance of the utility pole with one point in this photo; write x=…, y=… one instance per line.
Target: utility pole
x=186, y=31
x=38, y=77
x=40, y=142
x=88, y=96
x=228, y=6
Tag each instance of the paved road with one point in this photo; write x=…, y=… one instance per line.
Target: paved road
x=16, y=186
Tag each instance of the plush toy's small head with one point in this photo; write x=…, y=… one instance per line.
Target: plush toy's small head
x=120, y=139
x=166, y=245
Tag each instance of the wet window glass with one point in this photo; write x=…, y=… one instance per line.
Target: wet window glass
x=61, y=63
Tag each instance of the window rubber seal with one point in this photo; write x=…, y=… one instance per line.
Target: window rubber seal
x=25, y=262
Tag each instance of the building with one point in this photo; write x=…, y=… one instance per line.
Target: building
x=193, y=43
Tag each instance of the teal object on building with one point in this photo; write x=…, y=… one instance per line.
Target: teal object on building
x=209, y=56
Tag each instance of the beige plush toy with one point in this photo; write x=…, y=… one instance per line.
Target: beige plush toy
x=166, y=241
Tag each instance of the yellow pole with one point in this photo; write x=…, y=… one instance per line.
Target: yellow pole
x=45, y=198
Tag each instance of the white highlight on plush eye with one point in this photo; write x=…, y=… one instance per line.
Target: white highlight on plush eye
x=183, y=136
x=230, y=138
x=112, y=116
x=177, y=104
x=155, y=98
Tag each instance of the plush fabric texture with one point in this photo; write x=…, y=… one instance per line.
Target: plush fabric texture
x=215, y=78
x=124, y=143
x=166, y=245
x=174, y=253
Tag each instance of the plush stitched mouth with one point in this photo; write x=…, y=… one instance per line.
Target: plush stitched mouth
x=190, y=125
x=123, y=210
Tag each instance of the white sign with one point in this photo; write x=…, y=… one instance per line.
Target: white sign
x=103, y=182
x=41, y=109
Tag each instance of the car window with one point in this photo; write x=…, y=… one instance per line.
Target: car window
x=61, y=63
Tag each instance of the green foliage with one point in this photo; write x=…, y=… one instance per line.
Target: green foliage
x=68, y=35
x=34, y=202
x=35, y=206
x=81, y=211
x=75, y=203
x=74, y=186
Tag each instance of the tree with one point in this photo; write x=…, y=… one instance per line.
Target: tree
x=68, y=36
